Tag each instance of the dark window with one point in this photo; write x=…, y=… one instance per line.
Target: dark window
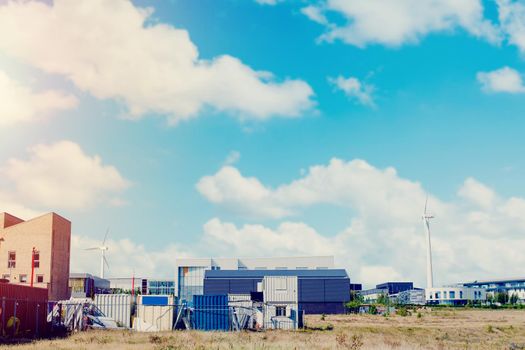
x=11, y=260
x=280, y=311
x=23, y=278
x=36, y=257
x=39, y=278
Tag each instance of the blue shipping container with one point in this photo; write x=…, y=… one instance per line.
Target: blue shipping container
x=211, y=313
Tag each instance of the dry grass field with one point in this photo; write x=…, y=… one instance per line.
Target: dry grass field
x=432, y=329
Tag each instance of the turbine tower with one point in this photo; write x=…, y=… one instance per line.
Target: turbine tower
x=426, y=222
x=103, y=248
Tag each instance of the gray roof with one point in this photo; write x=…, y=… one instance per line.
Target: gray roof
x=324, y=273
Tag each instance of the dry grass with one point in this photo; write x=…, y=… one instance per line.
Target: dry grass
x=435, y=329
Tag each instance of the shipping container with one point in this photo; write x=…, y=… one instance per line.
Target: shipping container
x=155, y=312
x=211, y=313
x=117, y=306
x=281, y=316
x=280, y=289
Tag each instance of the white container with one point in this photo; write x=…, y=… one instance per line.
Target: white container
x=155, y=317
x=282, y=289
x=287, y=321
x=116, y=306
x=240, y=300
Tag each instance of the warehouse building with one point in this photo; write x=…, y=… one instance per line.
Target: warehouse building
x=454, y=295
x=385, y=289
x=318, y=291
x=514, y=286
x=86, y=285
x=189, y=273
x=36, y=252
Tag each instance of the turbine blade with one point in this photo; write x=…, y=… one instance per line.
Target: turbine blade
x=94, y=248
x=426, y=202
x=105, y=236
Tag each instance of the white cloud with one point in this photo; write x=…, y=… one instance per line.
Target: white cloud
x=397, y=22
x=355, y=89
x=315, y=14
x=21, y=104
x=501, y=80
x=477, y=193
x=512, y=21
x=268, y=2
x=232, y=158
x=61, y=175
x=151, y=67
x=478, y=234
x=145, y=262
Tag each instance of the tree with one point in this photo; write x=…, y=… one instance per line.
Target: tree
x=502, y=297
x=383, y=299
x=514, y=298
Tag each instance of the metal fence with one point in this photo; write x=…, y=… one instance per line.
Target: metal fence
x=23, y=318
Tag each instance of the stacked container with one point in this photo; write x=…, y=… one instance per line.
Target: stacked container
x=155, y=313
x=211, y=313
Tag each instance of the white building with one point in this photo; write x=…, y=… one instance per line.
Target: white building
x=454, y=295
x=281, y=302
x=189, y=273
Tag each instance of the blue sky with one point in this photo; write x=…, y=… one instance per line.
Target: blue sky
x=420, y=106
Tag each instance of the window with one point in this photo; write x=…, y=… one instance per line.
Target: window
x=11, y=260
x=461, y=294
x=36, y=257
x=280, y=311
x=301, y=268
x=39, y=278
x=23, y=278
x=6, y=277
x=452, y=294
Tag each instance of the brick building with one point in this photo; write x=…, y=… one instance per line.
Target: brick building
x=50, y=235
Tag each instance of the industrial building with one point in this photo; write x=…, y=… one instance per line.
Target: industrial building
x=36, y=252
x=145, y=286
x=85, y=285
x=385, y=289
x=189, y=273
x=513, y=286
x=454, y=295
x=318, y=291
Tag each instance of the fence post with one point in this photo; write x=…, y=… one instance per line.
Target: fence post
x=14, y=318
x=36, y=324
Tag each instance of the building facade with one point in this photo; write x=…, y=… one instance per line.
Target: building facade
x=85, y=285
x=515, y=286
x=46, y=240
x=385, y=289
x=454, y=295
x=319, y=291
x=189, y=273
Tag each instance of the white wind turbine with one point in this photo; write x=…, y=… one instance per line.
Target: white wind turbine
x=426, y=221
x=103, y=248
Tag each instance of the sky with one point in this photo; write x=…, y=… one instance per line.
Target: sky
x=270, y=128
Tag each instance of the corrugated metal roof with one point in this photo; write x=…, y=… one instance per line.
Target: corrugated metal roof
x=324, y=273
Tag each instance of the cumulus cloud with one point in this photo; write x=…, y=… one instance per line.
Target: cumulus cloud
x=61, y=175
x=505, y=80
x=21, y=104
x=475, y=235
x=149, y=66
x=150, y=263
x=512, y=20
x=397, y=22
x=354, y=89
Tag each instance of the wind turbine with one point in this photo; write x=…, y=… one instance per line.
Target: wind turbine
x=426, y=222
x=103, y=248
